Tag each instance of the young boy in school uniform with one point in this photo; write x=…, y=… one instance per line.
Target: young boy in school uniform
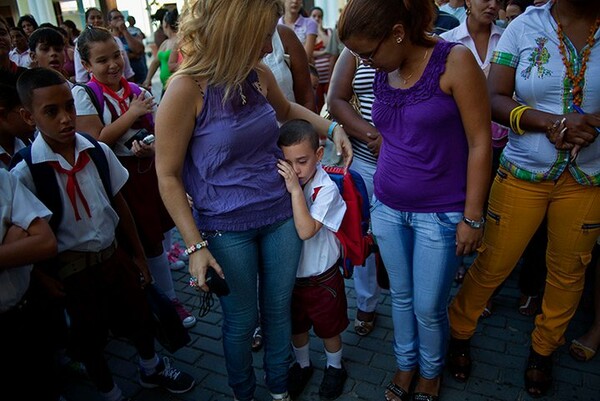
x=25, y=238
x=100, y=281
x=319, y=297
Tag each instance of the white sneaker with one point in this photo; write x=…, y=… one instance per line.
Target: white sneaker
x=186, y=317
x=281, y=397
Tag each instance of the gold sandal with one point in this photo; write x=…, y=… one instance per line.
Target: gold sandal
x=581, y=352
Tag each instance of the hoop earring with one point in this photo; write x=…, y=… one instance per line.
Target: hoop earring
x=468, y=12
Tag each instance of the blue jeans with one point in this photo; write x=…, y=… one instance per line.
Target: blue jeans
x=365, y=277
x=418, y=250
x=271, y=255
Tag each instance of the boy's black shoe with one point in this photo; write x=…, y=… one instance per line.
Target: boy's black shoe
x=332, y=385
x=298, y=379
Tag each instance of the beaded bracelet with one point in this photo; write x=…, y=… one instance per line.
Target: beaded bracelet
x=330, y=130
x=195, y=247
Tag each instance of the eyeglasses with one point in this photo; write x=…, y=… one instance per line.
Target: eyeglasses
x=368, y=59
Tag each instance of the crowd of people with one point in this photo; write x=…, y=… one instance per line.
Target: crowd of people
x=472, y=123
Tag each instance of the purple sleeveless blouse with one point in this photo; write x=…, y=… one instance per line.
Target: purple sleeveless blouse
x=422, y=165
x=230, y=169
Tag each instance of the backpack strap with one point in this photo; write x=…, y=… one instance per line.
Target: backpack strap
x=147, y=120
x=45, y=183
x=95, y=92
x=93, y=95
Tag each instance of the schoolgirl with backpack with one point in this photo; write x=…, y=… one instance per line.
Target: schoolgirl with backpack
x=120, y=114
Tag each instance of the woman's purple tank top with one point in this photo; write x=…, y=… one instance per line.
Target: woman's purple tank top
x=230, y=169
x=422, y=165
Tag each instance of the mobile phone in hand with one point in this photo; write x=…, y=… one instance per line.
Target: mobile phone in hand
x=149, y=139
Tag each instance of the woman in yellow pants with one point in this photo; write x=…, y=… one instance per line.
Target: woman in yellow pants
x=550, y=168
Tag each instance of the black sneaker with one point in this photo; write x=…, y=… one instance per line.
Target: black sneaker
x=168, y=377
x=298, y=379
x=332, y=385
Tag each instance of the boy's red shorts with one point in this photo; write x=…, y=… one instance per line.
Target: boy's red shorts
x=321, y=304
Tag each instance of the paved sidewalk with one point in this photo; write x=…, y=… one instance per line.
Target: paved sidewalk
x=500, y=348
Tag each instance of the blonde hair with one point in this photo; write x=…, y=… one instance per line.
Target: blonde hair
x=221, y=40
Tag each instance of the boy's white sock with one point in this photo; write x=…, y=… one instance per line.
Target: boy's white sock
x=113, y=395
x=161, y=272
x=302, y=355
x=334, y=359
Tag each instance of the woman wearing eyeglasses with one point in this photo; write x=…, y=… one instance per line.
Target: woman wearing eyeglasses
x=432, y=110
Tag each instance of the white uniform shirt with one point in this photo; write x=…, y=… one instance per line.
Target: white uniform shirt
x=85, y=107
x=18, y=146
x=18, y=206
x=461, y=35
x=325, y=205
x=20, y=59
x=87, y=234
x=81, y=74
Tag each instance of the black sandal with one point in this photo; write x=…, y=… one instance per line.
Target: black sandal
x=398, y=392
x=538, y=385
x=459, y=359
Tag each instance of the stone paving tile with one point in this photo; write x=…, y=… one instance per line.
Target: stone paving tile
x=500, y=348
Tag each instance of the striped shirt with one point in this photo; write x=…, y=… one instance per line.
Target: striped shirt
x=362, y=84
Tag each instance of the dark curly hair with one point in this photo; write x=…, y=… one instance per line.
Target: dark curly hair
x=28, y=18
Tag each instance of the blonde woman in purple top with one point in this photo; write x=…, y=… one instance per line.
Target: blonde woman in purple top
x=216, y=139
x=432, y=110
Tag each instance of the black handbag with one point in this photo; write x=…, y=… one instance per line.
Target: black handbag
x=169, y=330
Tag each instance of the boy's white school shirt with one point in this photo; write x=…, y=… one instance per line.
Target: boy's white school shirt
x=85, y=107
x=18, y=146
x=18, y=206
x=88, y=234
x=325, y=205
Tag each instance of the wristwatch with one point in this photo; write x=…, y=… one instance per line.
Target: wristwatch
x=476, y=224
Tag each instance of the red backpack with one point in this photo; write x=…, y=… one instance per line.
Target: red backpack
x=354, y=232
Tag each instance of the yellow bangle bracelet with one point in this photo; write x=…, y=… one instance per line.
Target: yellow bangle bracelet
x=515, y=118
x=511, y=118
x=520, y=130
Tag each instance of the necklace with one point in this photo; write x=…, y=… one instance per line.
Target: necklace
x=575, y=80
x=405, y=80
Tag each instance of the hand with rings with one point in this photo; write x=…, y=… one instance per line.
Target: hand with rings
x=573, y=131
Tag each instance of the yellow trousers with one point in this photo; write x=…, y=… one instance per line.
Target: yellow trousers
x=516, y=209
